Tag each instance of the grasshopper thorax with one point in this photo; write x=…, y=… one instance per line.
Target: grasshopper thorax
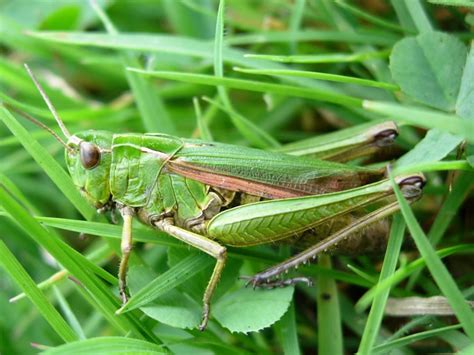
x=88, y=161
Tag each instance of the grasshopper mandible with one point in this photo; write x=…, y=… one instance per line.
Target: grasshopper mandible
x=212, y=195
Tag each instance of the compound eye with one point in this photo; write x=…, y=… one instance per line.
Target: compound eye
x=90, y=155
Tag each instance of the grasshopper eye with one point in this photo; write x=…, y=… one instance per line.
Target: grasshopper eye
x=89, y=154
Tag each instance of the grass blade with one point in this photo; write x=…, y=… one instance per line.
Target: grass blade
x=74, y=262
x=167, y=281
x=321, y=58
x=68, y=313
x=406, y=271
x=107, y=345
x=371, y=18
x=204, y=132
x=250, y=131
x=374, y=319
x=439, y=272
x=387, y=347
x=424, y=118
x=251, y=85
x=321, y=76
x=287, y=332
x=329, y=317
x=446, y=214
x=152, y=109
x=21, y=277
x=47, y=163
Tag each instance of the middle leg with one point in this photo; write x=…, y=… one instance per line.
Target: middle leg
x=208, y=246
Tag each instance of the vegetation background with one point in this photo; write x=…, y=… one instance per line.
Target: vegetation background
x=417, y=68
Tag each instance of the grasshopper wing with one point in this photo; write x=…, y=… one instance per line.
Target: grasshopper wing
x=263, y=173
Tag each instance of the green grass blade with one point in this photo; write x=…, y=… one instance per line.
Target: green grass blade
x=453, y=2
x=371, y=18
x=172, y=278
x=190, y=19
x=286, y=330
x=68, y=313
x=321, y=76
x=329, y=317
x=381, y=39
x=374, y=319
x=296, y=18
x=424, y=118
x=154, y=237
x=21, y=277
x=439, y=272
x=251, y=85
x=435, y=166
x=152, y=109
x=389, y=346
x=250, y=131
x=418, y=15
x=204, y=132
x=254, y=135
x=321, y=58
x=406, y=271
x=446, y=214
x=47, y=163
x=74, y=262
x=108, y=230
x=107, y=345
x=168, y=44
x=96, y=256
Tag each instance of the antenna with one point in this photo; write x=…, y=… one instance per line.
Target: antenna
x=48, y=103
x=39, y=124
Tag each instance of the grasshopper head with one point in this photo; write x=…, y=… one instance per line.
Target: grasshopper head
x=88, y=160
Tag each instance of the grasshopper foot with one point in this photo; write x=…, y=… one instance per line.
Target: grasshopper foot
x=205, y=317
x=124, y=297
x=122, y=292
x=259, y=281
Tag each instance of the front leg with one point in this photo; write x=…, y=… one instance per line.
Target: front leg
x=126, y=247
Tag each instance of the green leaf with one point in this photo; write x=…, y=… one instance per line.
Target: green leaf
x=248, y=310
x=433, y=147
x=429, y=68
x=464, y=107
x=107, y=345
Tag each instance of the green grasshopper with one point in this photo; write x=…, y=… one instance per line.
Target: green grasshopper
x=211, y=195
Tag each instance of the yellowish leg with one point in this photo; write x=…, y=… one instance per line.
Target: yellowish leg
x=126, y=247
x=209, y=247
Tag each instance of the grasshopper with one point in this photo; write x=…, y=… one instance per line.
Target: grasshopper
x=212, y=195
